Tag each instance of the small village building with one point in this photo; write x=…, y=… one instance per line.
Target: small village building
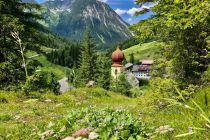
x=128, y=67
x=137, y=72
x=117, y=67
x=140, y=71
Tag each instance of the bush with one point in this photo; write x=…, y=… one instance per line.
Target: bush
x=164, y=87
x=167, y=89
x=90, y=92
x=106, y=123
x=10, y=75
x=206, y=77
x=42, y=82
x=135, y=92
x=121, y=85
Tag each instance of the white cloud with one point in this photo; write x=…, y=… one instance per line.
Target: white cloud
x=120, y=11
x=147, y=5
x=103, y=1
x=132, y=11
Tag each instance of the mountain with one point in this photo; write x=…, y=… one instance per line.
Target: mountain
x=70, y=18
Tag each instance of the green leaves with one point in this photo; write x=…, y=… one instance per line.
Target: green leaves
x=108, y=123
x=185, y=26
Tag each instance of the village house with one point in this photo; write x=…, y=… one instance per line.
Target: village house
x=142, y=70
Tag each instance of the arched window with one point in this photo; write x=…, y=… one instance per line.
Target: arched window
x=115, y=71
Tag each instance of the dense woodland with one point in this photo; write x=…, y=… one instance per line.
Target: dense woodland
x=181, y=73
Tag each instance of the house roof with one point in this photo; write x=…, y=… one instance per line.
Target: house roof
x=128, y=65
x=135, y=68
x=146, y=62
x=138, y=68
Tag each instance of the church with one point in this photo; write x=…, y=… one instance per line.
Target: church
x=140, y=71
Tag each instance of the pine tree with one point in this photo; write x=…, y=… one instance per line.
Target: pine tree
x=16, y=16
x=88, y=65
x=132, y=58
x=104, y=73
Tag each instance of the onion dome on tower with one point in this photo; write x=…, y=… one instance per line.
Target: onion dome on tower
x=117, y=57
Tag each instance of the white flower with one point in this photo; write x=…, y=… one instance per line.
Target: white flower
x=93, y=135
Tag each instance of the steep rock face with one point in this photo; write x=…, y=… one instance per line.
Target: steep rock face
x=70, y=18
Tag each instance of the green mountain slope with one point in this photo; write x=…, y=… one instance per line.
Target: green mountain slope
x=70, y=18
x=57, y=70
x=144, y=51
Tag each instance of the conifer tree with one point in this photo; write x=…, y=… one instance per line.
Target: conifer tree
x=132, y=58
x=104, y=73
x=88, y=65
x=16, y=16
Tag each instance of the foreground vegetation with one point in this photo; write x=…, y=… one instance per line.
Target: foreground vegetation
x=24, y=117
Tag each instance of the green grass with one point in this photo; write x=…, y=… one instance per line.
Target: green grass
x=144, y=51
x=26, y=117
x=21, y=115
x=58, y=70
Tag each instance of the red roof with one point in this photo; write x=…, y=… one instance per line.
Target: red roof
x=117, y=56
x=146, y=62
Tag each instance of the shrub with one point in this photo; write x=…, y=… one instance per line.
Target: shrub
x=135, y=92
x=107, y=123
x=90, y=92
x=121, y=85
x=42, y=81
x=10, y=75
x=164, y=87
x=170, y=89
x=206, y=77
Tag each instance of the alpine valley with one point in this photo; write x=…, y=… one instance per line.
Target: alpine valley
x=71, y=18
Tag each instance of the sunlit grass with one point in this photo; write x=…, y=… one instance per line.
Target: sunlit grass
x=25, y=117
x=143, y=51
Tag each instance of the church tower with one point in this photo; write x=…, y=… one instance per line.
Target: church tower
x=117, y=58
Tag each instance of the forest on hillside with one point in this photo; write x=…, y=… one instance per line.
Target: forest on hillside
x=173, y=104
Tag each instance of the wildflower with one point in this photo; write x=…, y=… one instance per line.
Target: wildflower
x=93, y=135
x=81, y=132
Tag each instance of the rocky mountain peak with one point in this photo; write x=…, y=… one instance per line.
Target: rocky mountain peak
x=70, y=18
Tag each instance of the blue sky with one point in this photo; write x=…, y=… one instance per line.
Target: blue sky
x=126, y=9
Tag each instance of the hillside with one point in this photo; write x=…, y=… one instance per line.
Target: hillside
x=143, y=51
x=28, y=117
x=58, y=70
x=71, y=18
